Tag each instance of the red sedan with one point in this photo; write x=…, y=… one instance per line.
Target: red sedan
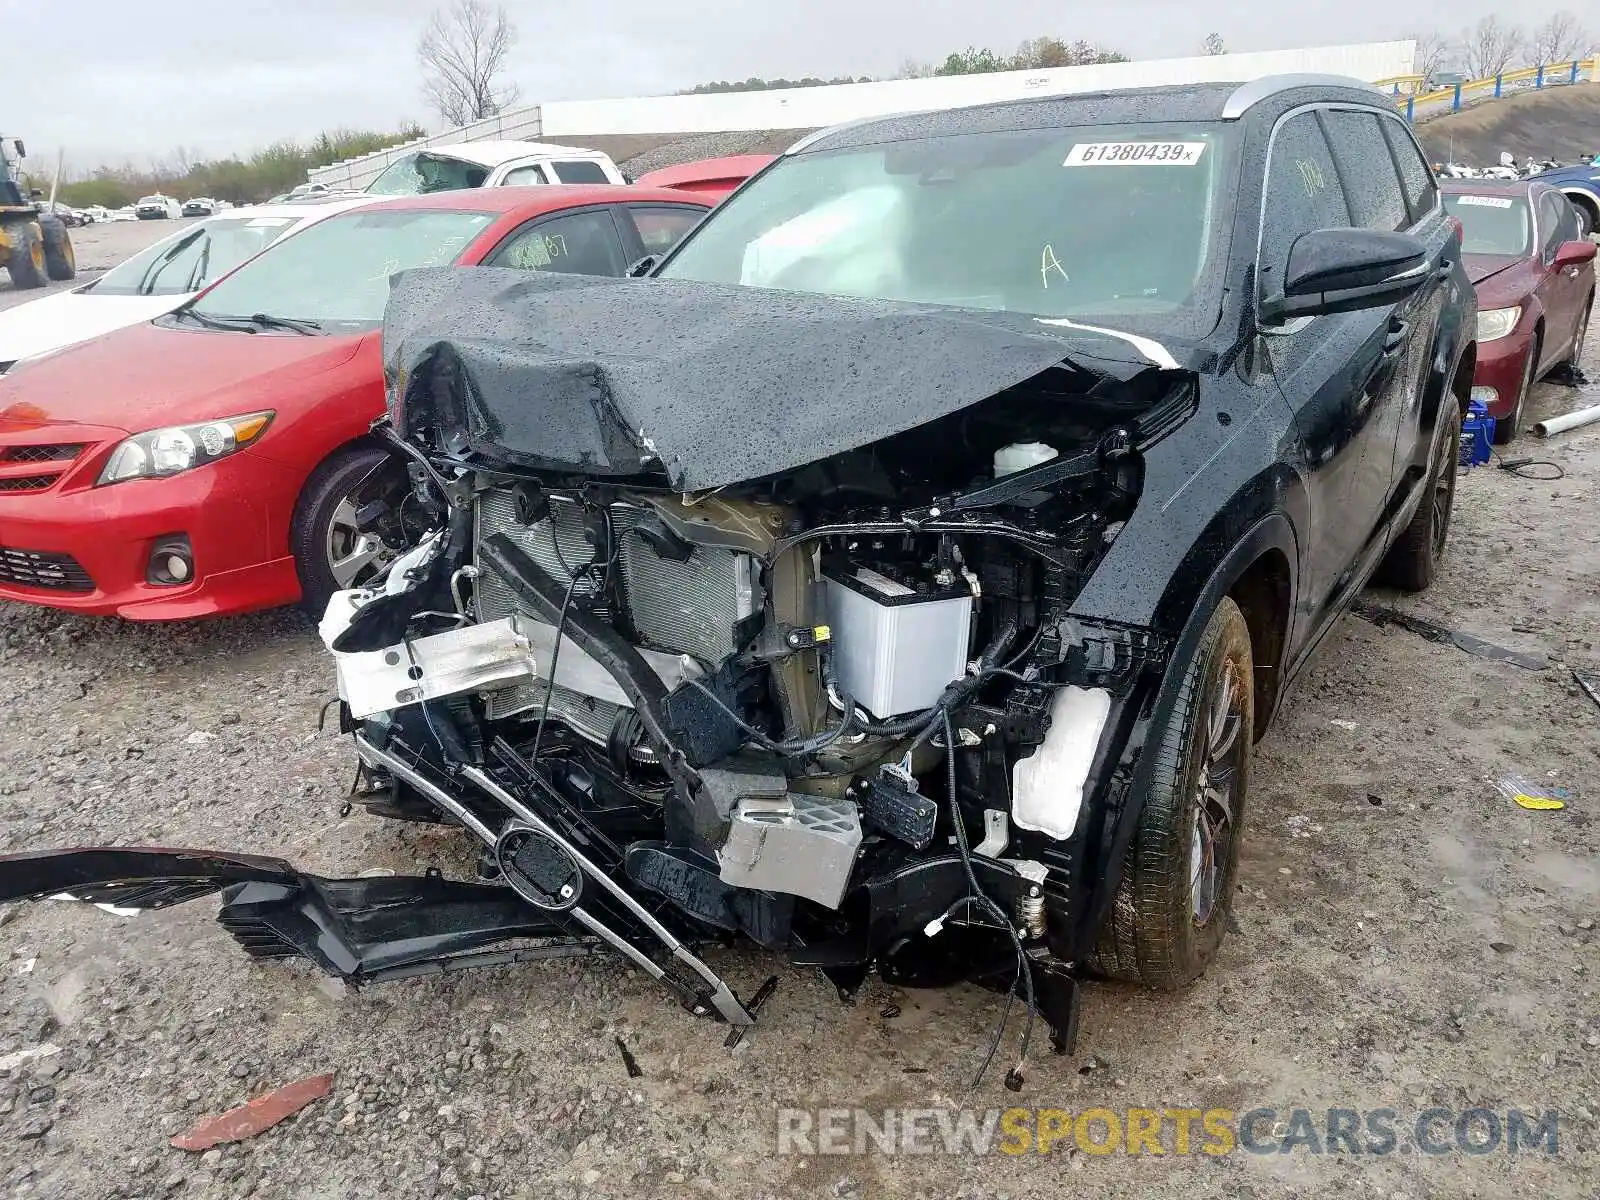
x=216, y=460
x=1533, y=271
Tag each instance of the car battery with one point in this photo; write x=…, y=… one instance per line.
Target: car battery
x=895, y=648
x=1477, y=435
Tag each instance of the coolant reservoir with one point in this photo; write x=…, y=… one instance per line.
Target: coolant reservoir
x=1019, y=456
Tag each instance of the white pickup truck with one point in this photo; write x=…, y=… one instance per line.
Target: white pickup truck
x=492, y=164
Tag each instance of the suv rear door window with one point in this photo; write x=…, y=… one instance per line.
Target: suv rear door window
x=1422, y=190
x=1367, y=170
x=1303, y=194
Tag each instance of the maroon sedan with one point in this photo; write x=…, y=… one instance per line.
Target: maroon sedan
x=1534, y=273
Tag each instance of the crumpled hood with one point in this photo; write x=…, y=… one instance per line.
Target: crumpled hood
x=717, y=383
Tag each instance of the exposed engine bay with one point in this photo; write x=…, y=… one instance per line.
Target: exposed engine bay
x=842, y=709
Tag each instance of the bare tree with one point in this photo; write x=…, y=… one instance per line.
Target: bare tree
x=1560, y=39
x=1433, y=53
x=913, y=68
x=463, y=51
x=1213, y=44
x=1490, y=47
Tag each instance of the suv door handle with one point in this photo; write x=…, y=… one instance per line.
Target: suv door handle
x=1395, y=340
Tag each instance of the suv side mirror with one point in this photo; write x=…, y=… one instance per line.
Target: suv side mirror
x=1343, y=270
x=642, y=267
x=1575, y=254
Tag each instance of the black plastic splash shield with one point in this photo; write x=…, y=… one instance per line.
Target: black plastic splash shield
x=1381, y=615
x=359, y=929
x=716, y=383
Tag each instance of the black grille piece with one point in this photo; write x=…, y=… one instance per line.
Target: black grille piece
x=39, y=569
x=27, y=483
x=144, y=894
x=255, y=937
x=51, y=452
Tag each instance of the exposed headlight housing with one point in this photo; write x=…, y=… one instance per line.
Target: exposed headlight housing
x=1496, y=323
x=178, y=448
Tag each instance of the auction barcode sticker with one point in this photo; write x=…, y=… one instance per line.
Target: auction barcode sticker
x=1486, y=201
x=1116, y=154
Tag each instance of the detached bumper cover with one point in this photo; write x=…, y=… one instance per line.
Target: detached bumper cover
x=134, y=878
x=360, y=929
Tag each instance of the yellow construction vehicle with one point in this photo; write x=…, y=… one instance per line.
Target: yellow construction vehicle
x=34, y=245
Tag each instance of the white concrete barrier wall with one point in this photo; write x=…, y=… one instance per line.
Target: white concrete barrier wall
x=809, y=108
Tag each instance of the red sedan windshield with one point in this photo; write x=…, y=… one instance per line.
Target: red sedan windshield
x=337, y=272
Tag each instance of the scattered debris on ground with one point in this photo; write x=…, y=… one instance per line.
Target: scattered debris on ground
x=258, y=1115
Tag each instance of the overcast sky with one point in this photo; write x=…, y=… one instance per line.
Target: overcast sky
x=113, y=80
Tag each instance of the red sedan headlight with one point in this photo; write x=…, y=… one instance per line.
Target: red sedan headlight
x=163, y=452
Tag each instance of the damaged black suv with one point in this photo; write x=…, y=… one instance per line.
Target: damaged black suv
x=899, y=576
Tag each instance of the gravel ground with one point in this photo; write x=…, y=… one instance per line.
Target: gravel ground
x=1406, y=938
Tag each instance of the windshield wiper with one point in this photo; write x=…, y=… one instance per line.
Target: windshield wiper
x=232, y=325
x=197, y=277
x=268, y=321
x=147, y=282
